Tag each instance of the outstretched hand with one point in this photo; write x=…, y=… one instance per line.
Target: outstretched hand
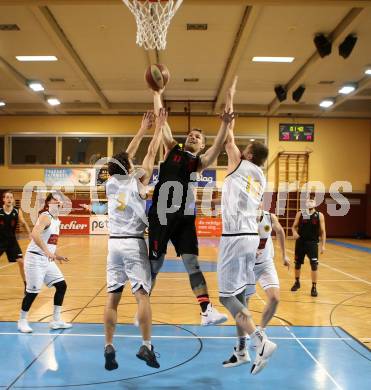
x=161, y=118
x=228, y=117
x=147, y=120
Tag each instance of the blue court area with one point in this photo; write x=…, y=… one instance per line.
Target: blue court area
x=190, y=357
x=350, y=246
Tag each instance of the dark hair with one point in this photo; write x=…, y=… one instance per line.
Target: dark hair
x=259, y=153
x=7, y=192
x=119, y=169
x=49, y=197
x=201, y=132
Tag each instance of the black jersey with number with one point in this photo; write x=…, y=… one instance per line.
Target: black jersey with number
x=178, y=167
x=309, y=227
x=8, y=224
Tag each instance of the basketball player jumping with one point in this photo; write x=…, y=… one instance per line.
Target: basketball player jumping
x=9, y=218
x=40, y=266
x=307, y=228
x=266, y=274
x=172, y=214
x=242, y=194
x=127, y=259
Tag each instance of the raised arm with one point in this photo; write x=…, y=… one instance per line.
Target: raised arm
x=323, y=231
x=227, y=125
x=149, y=159
x=146, y=124
x=167, y=136
x=280, y=233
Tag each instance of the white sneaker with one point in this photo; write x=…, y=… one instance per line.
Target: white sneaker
x=212, y=317
x=238, y=358
x=59, y=325
x=263, y=353
x=252, y=342
x=24, y=327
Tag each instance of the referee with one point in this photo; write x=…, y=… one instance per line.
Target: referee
x=307, y=228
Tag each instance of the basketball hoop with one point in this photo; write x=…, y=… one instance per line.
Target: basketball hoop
x=153, y=19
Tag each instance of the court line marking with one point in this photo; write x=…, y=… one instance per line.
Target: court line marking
x=171, y=337
x=340, y=271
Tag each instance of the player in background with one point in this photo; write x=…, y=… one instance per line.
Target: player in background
x=10, y=216
x=308, y=227
x=127, y=259
x=41, y=267
x=172, y=213
x=266, y=275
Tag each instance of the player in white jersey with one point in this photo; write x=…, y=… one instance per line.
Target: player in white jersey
x=127, y=259
x=242, y=193
x=266, y=275
x=40, y=266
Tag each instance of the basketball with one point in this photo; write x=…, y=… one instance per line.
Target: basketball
x=157, y=76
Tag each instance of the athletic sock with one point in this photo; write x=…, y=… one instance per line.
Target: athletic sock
x=148, y=344
x=257, y=336
x=23, y=315
x=314, y=284
x=297, y=280
x=203, y=301
x=241, y=344
x=57, y=313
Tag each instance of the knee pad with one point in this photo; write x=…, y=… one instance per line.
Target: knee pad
x=28, y=300
x=61, y=286
x=191, y=263
x=314, y=264
x=233, y=305
x=297, y=264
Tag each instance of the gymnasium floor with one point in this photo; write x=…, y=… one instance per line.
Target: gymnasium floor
x=319, y=338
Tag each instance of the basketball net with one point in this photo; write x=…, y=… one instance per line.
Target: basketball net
x=153, y=19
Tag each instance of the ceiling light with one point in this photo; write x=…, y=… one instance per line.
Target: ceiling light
x=327, y=103
x=252, y=139
x=36, y=58
x=53, y=101
x=35, y=86
x=347, y=89
x=2, y=104
x=368, y=71
x=273, y=59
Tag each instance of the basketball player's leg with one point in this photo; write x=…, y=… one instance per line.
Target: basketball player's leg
x=14, y=254
x=54, y=278
x=312, y=253
x=299, y=261
x=35, y=271
x=235, y=273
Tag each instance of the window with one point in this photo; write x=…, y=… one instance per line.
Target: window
x=83, y=150
x=120, y=144
x=241, y=144
x=33, y=150
x=1, y=150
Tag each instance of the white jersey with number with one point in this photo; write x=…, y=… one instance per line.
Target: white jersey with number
x=126, y=208
x=242, y=193
x=50, y=236
x=265, y=250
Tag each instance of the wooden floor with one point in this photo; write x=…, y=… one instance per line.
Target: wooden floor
x=344, y=289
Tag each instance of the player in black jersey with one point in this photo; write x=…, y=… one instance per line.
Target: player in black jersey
x=307, y=228
x=9, y=218
x=172, y=214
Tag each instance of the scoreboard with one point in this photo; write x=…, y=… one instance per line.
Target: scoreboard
x=296, y=132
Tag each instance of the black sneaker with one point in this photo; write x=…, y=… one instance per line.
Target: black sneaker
x=314, y=292
x=110, y=356
x=296, y=286
x=148, y=356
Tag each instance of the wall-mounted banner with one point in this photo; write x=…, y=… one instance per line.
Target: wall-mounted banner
x=74, y=225
x=209, y=227
x=207, y=176
x=99, y=224
x=78, y=177
x=154, y=178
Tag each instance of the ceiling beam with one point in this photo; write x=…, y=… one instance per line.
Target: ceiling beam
x=242, y=37
x=21, y=81
x=344, y=28
x=55, y=32
x=305, y=3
